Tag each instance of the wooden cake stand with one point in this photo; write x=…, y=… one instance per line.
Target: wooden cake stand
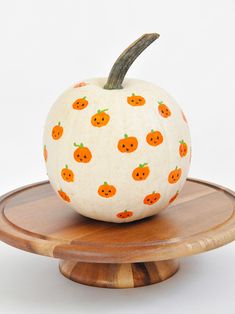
x=111, y=255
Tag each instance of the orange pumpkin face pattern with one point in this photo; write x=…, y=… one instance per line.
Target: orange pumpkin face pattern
x=152, y=198
x=174, y=197
x=184, y=117
x=64, y=196
x=80, y=103
x=125, y=214
x=45, y=153
x=154, y=138
x=127, y=144
x=82, y=153
x=106, y=190
x=57, y=131
x=174, y=175
x=135, y=100
x=100, y=118
x=67, y=174
x=81, y=84
x=183, y=148
x=141, y=173
x=163, y=110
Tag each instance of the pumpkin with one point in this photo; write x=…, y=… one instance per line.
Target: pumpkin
x=57, y=131
x=80, y=103
x=174, y=175
x=120, y=139
x=151, y=199
x=154, y=138
x=45, y=153
x=134, y=100
x=67, y=174
x=141, y=173
x=106, y=190
x=183, y=148
x=64, y=195
x=128, y=144
x=125, y=214
x=101, y=118
x=173, y=197
x=163, y=110
x=82, y=154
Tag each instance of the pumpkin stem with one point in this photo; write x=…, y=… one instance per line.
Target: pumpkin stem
x=125, y=60
x=160, y=102
x=125, y=135
x=66, y=166
x=59, y=123
x=105, y=183
x=143, y=165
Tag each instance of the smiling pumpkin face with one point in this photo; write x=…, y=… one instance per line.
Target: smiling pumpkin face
x=106, y=190
x=163, y=110
x=101, y=118
x=80, y=103
x=154, y=138
x=174, y=175
x=82, y=153
x=141, y=173
x=127, y=144
x=152, y=198
x=57, y=131
x=67, y=174
x=135, y=100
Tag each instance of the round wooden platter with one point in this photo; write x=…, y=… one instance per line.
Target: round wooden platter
x=103, y=254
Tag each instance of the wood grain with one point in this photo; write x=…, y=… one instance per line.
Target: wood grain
x=128, y=275
x=34, y=219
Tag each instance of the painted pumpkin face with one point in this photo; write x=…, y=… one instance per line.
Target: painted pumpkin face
x=174, y=197
x=184, y=117
x=45, y=153
x=67, y=174
x=100, y=118
x=141, y=173
x=81, y=84
x=183, y=148
x=64, y=196
x=154, y=138
x=163, y=110
x=135, y=100
x=57, y=131
x=125, y=214
x=82, y=154
x=80, y=103
x=106, y=190
x=174, y=175
x=152, y=198
x=128, y=144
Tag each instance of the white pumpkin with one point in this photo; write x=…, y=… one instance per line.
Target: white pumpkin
x=117, y=155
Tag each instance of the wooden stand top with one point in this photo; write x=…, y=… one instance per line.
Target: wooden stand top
x=34, y=219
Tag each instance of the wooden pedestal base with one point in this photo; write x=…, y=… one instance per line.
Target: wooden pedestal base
x=110, y=255
x=128, y=275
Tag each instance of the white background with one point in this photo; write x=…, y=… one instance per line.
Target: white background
x=48, y=45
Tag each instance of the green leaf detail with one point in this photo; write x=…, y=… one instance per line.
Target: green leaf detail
x=133, y=94
x=160, y=102
x=66, y=166
x=125, y=135
x=105, y=183
x=143, y=165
